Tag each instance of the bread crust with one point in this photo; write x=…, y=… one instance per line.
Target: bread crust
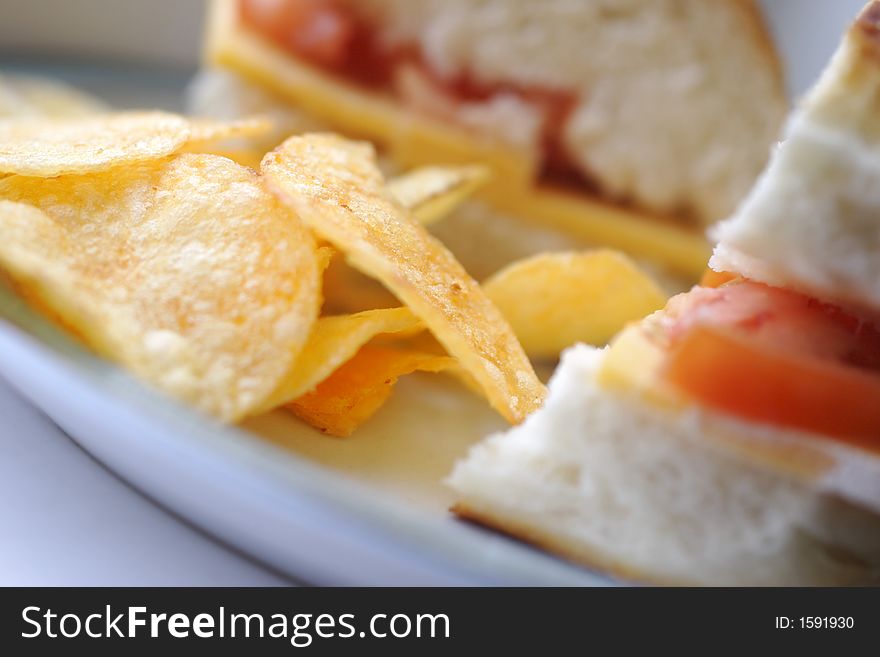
x=654, y=493
x=548, y=213
x=811, y=221
x=581, y=554
x=866, y=29
x=568, y=550
x=763, y=39
x=659, y=161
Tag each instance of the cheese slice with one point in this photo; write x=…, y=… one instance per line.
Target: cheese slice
x=414, y=140
x=631, y=366
x=631, y=362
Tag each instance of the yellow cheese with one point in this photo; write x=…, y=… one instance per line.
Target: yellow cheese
x=633, y=365
x=412, y=140
x=597, y=222
x=415, y=140
x=631, y=361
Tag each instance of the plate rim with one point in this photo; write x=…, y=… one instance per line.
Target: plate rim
x=39, y=360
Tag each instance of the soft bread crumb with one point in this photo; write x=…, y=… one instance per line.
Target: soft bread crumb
x=661, y=117
x=613, y=481
x=812, y=222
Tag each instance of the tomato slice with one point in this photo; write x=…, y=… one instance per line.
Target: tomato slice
x=319, y=31
x=738, y=376
x=777, y=320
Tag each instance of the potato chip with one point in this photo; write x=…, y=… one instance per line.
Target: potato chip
x=184, y=270
x=554, y=300
x=45, y=147
x=333, y=341
x=335, y=187
x=431, y=193
x=230, y=139
x=41, y=147
x=354, y=392
x=346, y=290
x=211, y=130
x=26, y=96
x=246, y=157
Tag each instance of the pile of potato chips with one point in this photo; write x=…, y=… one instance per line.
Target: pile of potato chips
x=206, y=278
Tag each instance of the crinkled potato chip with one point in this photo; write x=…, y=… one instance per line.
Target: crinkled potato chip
x=431, y=193
x=184, y=270
x=346, y=290
x=355, y=391
x=335, y=187
x=554, y=300
x=43, y=147
x=52, y=147
x=225, y=138
x=244, y=156
x=333, y=341
x=211, y=130
x=31, y=96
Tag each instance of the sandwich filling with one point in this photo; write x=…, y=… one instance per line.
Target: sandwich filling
x=331, y=36
x=569, y=87
x=763, y=354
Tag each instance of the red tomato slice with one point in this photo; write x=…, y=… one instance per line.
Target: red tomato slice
x=777, y=320
x=319, y=31
x=736, y=376
x=778, y=356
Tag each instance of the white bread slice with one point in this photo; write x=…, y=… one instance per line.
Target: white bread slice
x=661, y=116
x=482, y=237
x=410, y=139
x=611, y=480
x=812, y=222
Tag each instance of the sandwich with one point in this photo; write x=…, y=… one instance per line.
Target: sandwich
x=626, y=124
x=734, y=436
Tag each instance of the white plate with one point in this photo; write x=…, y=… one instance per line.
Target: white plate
x=367, y=510
x=68, y=521
x=379, y=519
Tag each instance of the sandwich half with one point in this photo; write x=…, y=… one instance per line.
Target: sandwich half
x=616, y=122
x=733, y=437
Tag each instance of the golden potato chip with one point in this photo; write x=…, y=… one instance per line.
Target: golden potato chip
x=430, y=193
x=229, y=139
x=355, y=391
x=184, y=270
x=30, y=96
x=211, y=130
x=333, y=341
x=346, y=290
x=42, y=147
x=52, y=147
x=246, y=157
x=335, y=187
x=30, y=270
x=554, y=300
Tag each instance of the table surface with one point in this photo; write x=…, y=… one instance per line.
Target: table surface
x=67, y=521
